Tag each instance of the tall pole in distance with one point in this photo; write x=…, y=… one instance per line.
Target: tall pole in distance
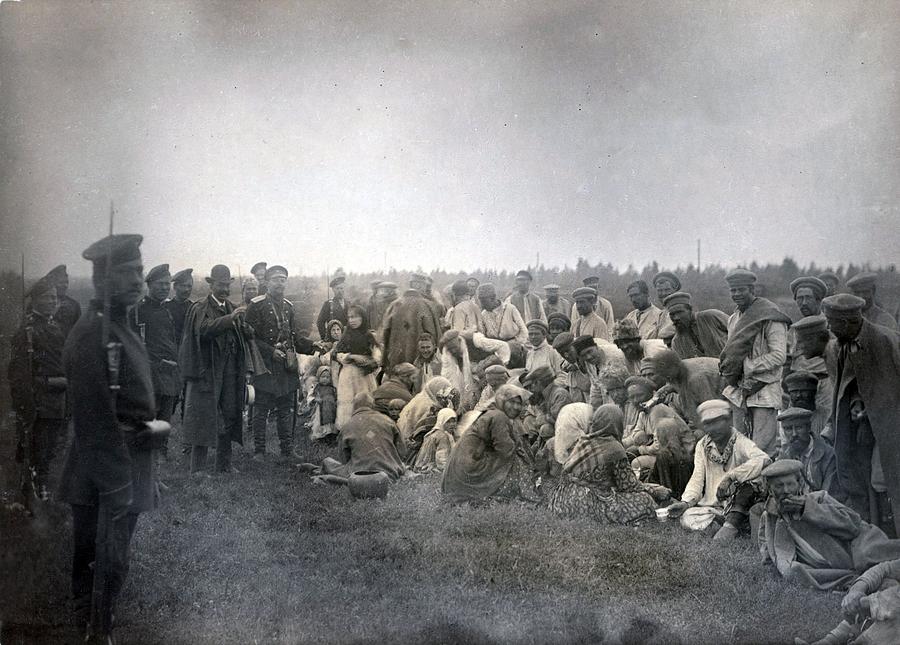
x=698, y=255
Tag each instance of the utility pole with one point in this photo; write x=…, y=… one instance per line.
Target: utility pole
x=698, y=255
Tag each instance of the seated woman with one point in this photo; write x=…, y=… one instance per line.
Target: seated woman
x=597, y=480
x=437, y=444
x=491, y=460
x=436, y=394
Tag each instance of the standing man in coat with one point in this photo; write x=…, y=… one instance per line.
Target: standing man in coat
x=333, y=309
x=405, y=321
x=696, y=334
x=528, y=304
x=178, y=305
x=68, y=311
x=109, y=476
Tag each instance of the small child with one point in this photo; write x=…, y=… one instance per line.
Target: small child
x=323, y=402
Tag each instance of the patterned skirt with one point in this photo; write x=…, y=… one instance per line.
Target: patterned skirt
x=572, y=499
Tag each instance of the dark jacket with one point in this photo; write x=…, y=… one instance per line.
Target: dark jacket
x=273, y=324
x=28, y=373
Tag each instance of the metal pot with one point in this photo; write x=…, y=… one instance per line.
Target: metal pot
x=367, y=484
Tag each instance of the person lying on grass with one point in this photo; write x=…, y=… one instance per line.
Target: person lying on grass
x=813, y=538
x=725, y=483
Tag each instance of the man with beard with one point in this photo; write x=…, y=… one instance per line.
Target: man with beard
x=554, y=303
x=405, y=320
x=666, y=283
x=802, y=445
x=333, y=309
x=862, y=286
x=752, y=360
x=696, y=334
x=547, y=398
x=600, y=305
x=645, y=315
x=588, y=322
x=592, y=358
x=806, y=391
x=808, y=293
x=178, y=305
x=528, y=304
x=635, y=348
x=258, y=271
x=68, y=311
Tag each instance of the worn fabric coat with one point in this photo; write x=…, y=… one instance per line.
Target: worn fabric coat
x=28, y=372
x=153, y=322
x=703, y=383
x=371, y=441
x=407, y=318
x=706, y=337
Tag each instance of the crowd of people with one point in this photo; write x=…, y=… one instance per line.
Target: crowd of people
x=741, y=424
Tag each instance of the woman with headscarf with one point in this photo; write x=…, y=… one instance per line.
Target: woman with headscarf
x=597, y=480
x=359, y=356
x=437, y=444
x=492, y=460
x=436, y=394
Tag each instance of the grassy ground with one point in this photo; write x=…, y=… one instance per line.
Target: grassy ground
x=266, y=556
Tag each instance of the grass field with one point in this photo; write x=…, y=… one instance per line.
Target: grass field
x=266, y=556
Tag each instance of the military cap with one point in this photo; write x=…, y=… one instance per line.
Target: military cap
x=591, y=279
x=388, y=285
x=561, y=317
x=497, y=369
x=583, y=342
x=818, y=287
x=259, y=266
x=57, y=272
x=584, y=292
x=792, y=414
x=219, y=273
x=338, y=279
x=842, y=305
x=782, y=467
x=563, y=341
x=640, y=381
x=625, y=330
x=42, y=286
x=159, y=272
x=810, y=325
x=522, y=273
x=678, y=299
x=740, y=277
x=713, y=409
x=540, y=324
x=829, y=276
x=418, y=277
x=551, y=287
x=542, y=373
x=459, y=288
x=404, y=369
x=801, y=381
x=183, y=276
x=276, y=269
x=119, y=248
x=862, y=281
x=667, y=275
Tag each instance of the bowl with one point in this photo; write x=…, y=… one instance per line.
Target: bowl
x=369, y=484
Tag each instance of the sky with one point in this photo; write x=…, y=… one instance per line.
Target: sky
x=449, y=134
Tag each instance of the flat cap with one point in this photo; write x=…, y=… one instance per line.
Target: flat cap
x=560, y=317
x=829, y=276
x=551, y=287
x=418, y=277
x=159, y=272
x=522, y=273
x=713, y=409
x=641, y=381
x=183, y=276
x=388, y=285
x=59, y=271
x=220, y=273
x=259, y=266
x=782, y=467
x=801, y=381
x=42, y=286
x=497, y=369
x=625, y=330
x=584, y=292
x=486, y=288
x=276, y=269
x=405, y=369
x=842, y=305
x=563, y=341
x=583, y=342
x=338, y=279
x=667, y=275
x=375, y=284
x=740, y=277
x=792, y=414
x=540, y=324
x=810, y=325
x=862, y=281
x=591, y=280
x=678, y=299
x=121, y=247
x=818, y=287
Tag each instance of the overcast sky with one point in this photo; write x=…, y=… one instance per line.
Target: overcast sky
x=451, y=134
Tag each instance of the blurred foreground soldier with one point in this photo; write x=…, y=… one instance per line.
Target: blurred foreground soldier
x=862, y=286
x=215, y=359
x=68, y=311
x=180, y=302
x=646, y=316
x=272, y=318
x=405, y=321
x=109, y=475
x=696, y=334
x=258, y=271
x=752, y=360
x=37, y=385
x=832, y=282
x=601, y=306
x=554, y=303
x=249, y=290
x=528, y=304
x=865, y=363
x=154, y=324
x=333, y=309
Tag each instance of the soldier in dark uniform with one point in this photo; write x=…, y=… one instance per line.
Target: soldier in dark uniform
x=334, y=309
x=154, y=324
x=37, y=385
x=109, y=475
x=259, y=272
x=68, y=311
x=178, y=305
x=272, y=318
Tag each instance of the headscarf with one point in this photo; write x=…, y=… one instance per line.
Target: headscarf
x=608, y=421
x=420, y=406
x=323, y=368
x=443, y=416
x=573, y=422
x=359, y=340
x=328, y=328
x=458, y=372
x=509, y=391
x=601, y=447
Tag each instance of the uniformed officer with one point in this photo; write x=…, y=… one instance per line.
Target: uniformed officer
x=68, y=311
x=108, y=476
x=37, y=385
x=272, y=318
x=258, y=271
x=178, y=305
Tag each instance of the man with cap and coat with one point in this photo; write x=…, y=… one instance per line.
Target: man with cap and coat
x=540, y=351
x=808, y=292
x=696, y=334
x=554, y=303
x=646, y=316
x=271, y=316
x=215, y=358
x=384, y=293
x=862, y=285
x=109, y=475
x=601, y=305
x=37, y=385
x=666, y=283
x=589, y=322
x=752, y=360
x=405, y=321
x=832, y=282
x=334, y=308
x=812, y=382
x=258, y=271
x=464, y=315
x=68, y=311
x=528, y=304
x=180, y=302
x=800, y=443
x=864, y=362
x=500, y=320
x=154, y=323
x=806, y=390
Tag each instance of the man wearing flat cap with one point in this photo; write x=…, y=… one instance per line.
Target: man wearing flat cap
x=588, y=321
x=697, y=334
x=215, y=358
x=864, y=360
x=808, y=292
x=801, y=444
x=548, y=397
x=557, y=323
x=68, y=311
x=258, y=271
x=154, y=324
x=528, y=304
x=180, y=302
x=635, y=348
x=405, y=320
x=37, y=385
x=752, y=360
x=540, y=351
x=554, y=303
x=665, y=283
x=862, y=285
x=109, y=475
x=600, y=305
x=333, y=309
x=812, y=392
x=646, y=316
x=832, y=282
